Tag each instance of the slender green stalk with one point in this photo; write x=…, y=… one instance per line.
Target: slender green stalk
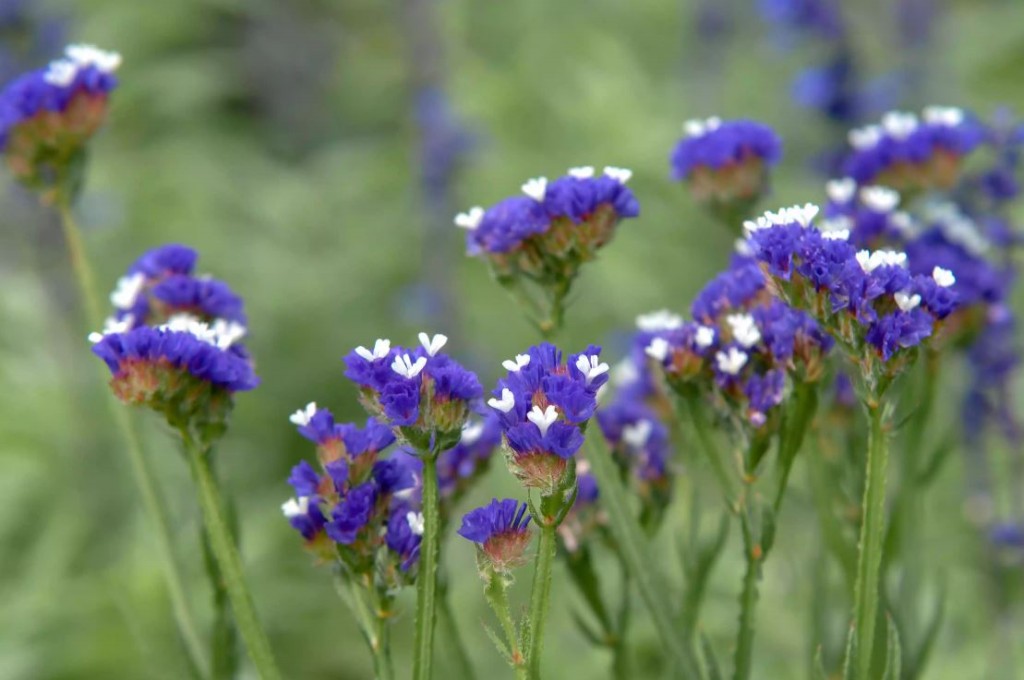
x=707, y=441
x=460, y=658
x=637, y=557
x=541, y=595
x=748, y=605
x=223, y=643
x=372, y=624
x=497, y=597
x=230, y=563
x=426, y=581
x=145, y=480
x=381, y=647
x=872, y=535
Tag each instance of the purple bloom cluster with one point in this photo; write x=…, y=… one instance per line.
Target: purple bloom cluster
x=355, y=494
x=742, y=342
x=163, y=283
x=77, y=85
x=501, y=529
x=148, y=361
x=907, y=152
x=542, y=406
x=863, y=298
x=714, y=145
x=422, y=392
x=640, y=438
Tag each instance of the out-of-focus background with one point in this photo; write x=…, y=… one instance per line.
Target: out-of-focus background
x=314, y=153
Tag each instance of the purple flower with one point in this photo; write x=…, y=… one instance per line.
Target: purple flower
x=351, y=515
x=470, y=457
x=404, y=534
x=714, y=144
x=501, y=531
x=305, y=516
x=304, y=479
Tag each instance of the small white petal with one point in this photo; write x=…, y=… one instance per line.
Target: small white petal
x=514, y=366
x=657, y=349
x=470, y=219
x=637, y=434
x=295, y=507
x=543, y=419
x=906, y=302
x=880, y=199
x=415, y=520
x=620, y=175
x=582, y=172
x=536, y=188
x=841, y=190
x=943, y=277
x=660, y=320
x=304, y=415
x=705, y=337
x=732, y=361
x=433, y=345
x=505, y=404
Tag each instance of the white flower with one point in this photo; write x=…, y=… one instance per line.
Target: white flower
x=471, y=433
x=380, y=350
x=506, y=403
x=407, y=368
x=90, y=55
x=415, y=520
x=636, y=434
x=742, y=247
x=705, y=336
x=543, y=419
x=841, y=190
x=949, y=116
x=801, y=214
x=898, y=124
x=434, y=344
x=61, y=72
x=536, y=188
x=660, y=320
x=515, y=365
x=591, y=367
x=713, y=123
x=943, y=277
x=879, y=199
x=620, y=175
x=731, y=362
x=694, y=128
x=744, y=329
x=625, y=373
x=870, y=261
x=906, y=302
x=304, y=415
x=657, y=349
x=836, y=235
x=865, y=138
x=295, y=507
x=127, y=290
x=112, y=325
x=470, y=219
x=582, y=172
x=227, y=333
x=903, y=223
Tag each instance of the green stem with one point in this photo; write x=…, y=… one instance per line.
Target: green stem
x=460, y=657
x=636, y=555
x=426, y=581
x=222, y=635
x=541, y=595
x=145, y=480
x=381, y=647
x=497, y=597
x=795, y=427
x=872, y=534
x=229, y=561
x=748, y=605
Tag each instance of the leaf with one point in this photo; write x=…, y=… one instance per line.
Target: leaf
x=893, y=653
x=819, y=672
x=711, y=667
x=850, y=665
x=935, y=461
x=581, y=570
x=920, y=656
x=589, y=633
x=499, y=644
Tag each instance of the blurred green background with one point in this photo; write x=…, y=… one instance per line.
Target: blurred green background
x=282, y=139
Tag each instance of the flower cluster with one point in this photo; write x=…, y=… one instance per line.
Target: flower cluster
x=424, y=394
x=47, y=115
x=867, y=300
x=726, y=162
x=183, y=361
x=162, y=284
x=501, y=532
x=358, y=503
x=907, y=152
x=544, y=235
x=543, y=406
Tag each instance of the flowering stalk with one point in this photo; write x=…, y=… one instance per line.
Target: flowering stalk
x=372, y=624
x=497, y=596
x=872, y=534
x=460, y=658
x=230, y=563
x=145, y=480
x=551, y=515
x=426, y=581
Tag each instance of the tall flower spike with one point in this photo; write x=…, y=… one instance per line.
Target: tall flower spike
x=536, y=242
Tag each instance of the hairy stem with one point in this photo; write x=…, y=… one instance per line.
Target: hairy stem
x=145, y=480
x=497, y=597
x=748, y=605
x=460, y=657
x=872, y=534
x=219, y=532
x=541, y=596
x=426, y=582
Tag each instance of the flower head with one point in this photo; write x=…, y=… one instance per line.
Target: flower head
x=48, y=115
x=501, y=530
